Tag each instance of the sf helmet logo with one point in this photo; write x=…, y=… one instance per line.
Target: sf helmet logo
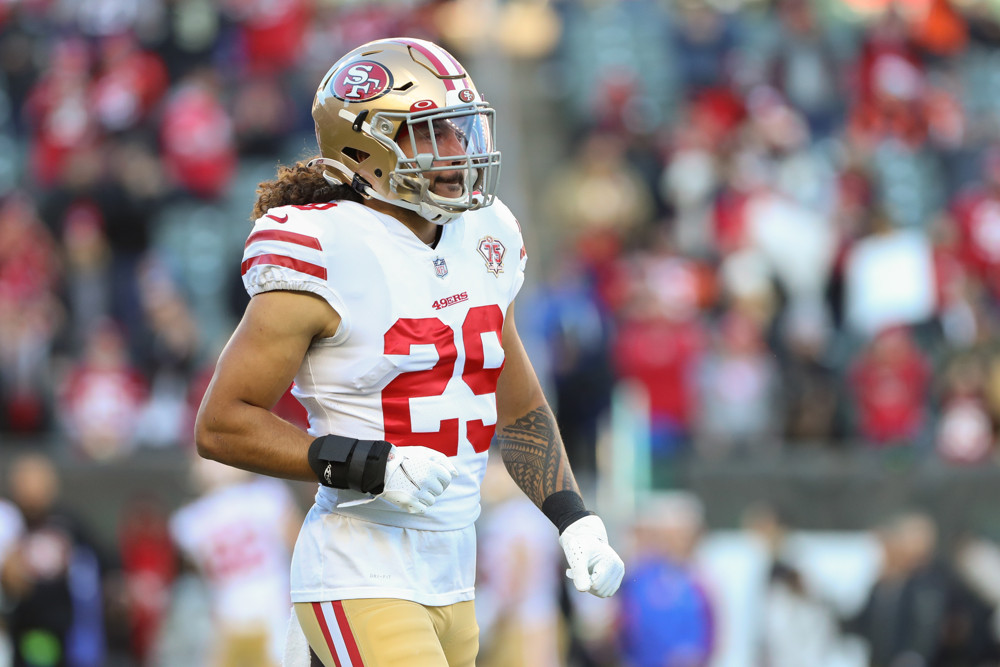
x=361, y=81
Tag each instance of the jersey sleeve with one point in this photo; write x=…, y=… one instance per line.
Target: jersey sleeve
x=289, y=249
x=512, y=231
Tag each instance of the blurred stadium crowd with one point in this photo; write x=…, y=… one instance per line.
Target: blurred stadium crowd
x=780, y=219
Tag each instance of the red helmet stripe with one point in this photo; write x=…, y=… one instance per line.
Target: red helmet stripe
x=439, y=60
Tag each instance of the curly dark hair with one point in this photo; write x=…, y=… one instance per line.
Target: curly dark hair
x=299, y=184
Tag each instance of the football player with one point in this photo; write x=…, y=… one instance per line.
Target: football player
x=383, y=275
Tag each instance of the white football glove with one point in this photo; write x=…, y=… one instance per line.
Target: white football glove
x=594, y=566
x=415, y=477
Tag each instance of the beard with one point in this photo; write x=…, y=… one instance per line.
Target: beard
x=448, y=184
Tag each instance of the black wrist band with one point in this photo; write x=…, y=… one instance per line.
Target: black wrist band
x=348, y=463
x=563, y=508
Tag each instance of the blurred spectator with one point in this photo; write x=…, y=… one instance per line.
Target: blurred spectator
x=169, y=359
x=129, y=200
x=940, y=30
x=704, y=40
x=965, y=432
x=666, y=614
x=269, y=33
x=57, y=111
x=891, y=81
x=149, y=566
x=72, y=211
x=130, y=84
x=890, y=382
x=660, y=349
x=576, y=331
x=977, y=214
x=811, y=394
x=29, y=315
x=196, y=135
x=796, y=628
x=517, y=600
x=603, y=199
x=53, y=576
x=238, y=534
x=805, y=66
x=262, y=116
x=100, y=397
x=919, y=612
x=786, y=214
x=888, y=280
x=977, y=562
x=688, y=182
x=737, y=391
x=186, y=34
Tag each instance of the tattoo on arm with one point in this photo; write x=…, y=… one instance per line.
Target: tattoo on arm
x=533, y=452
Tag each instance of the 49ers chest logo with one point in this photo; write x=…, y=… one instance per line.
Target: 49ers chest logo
x=361, y=81
x=492, y=251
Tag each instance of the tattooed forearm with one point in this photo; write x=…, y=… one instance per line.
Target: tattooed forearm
x=533, y=452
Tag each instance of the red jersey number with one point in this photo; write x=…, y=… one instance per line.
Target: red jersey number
x=433, y=381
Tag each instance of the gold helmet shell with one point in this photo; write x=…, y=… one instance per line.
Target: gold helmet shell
x=396, y=85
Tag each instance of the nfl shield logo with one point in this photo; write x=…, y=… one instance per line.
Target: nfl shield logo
x=440, y=268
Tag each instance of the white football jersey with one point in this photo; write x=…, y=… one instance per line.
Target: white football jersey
x=237, y=537
x=418, y=352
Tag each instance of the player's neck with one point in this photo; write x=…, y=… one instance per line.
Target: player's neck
x=423, y=229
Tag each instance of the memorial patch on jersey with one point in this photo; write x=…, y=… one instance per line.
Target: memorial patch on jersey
x=440, y=267
x=492, y=251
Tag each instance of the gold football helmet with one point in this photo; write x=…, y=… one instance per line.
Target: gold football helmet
x=390, y=86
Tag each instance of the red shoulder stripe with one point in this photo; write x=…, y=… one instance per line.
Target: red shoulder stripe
x=282, y=235
x=288, y=262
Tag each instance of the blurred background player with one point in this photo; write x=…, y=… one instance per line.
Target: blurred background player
x=382, y=276
x=238, y=534
x=519, y=564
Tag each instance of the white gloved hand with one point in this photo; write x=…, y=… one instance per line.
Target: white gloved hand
x=594, y=566
x=415, y=477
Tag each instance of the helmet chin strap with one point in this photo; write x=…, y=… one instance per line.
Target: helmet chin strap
x=424, y=209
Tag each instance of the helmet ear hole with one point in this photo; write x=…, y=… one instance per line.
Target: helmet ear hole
x=358, y=156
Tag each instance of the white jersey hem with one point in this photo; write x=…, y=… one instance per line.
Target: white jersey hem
x=368, y=593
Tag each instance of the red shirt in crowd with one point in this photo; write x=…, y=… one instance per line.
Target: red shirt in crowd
x=199, y=149
x=662, y=354
x=890, y=381
x=132, y=82
x=978, y=216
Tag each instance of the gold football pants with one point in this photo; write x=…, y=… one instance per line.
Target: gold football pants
x=390, y=633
